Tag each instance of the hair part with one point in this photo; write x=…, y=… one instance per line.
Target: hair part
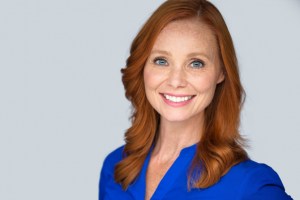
x=221, y=146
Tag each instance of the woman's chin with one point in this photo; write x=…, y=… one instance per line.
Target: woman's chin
x=176, y=118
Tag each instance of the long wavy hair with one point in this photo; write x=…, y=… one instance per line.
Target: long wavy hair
x=221, y=146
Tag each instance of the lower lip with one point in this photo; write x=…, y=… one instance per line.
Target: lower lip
x=176, y=104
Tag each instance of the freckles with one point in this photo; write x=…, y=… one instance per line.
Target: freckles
x=201, y=83
x=153, y=77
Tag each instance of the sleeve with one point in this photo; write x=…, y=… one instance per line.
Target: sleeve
x=103, y=180
x=107, y=172
x=262, y=183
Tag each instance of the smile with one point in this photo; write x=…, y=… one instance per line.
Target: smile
x=177, y=99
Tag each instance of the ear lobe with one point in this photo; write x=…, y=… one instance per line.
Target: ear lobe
x=221, y=77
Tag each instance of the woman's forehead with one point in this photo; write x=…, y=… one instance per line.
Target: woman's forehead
x=186, y=35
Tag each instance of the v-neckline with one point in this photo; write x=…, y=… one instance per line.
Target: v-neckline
x=138, y=189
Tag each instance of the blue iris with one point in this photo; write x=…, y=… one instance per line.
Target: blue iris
x=161, y=62
x=196, y=64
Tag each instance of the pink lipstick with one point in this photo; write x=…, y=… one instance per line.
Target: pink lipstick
x=176, y=104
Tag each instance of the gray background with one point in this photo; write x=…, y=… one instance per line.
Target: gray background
x=62, y=104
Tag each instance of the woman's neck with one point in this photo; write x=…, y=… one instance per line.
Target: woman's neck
x=175, y=136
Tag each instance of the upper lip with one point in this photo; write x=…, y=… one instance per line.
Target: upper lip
x=177, y=95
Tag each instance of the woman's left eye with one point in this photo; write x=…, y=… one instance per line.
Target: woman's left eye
x=197, y=64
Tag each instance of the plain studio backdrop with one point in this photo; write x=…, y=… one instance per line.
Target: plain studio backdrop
x=62, y=103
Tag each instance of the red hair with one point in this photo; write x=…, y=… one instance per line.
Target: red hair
x=221, y=145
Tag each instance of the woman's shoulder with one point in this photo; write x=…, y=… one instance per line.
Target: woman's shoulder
x=250, y=166
x=254, y=171
x=113, y=158
x=257, y=179
x=107, y=171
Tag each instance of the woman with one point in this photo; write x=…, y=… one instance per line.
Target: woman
x=183, y=82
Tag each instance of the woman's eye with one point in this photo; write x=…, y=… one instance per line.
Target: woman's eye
x=197, y=64
x=160, y=62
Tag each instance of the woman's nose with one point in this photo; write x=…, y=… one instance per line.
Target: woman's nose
x=177, y=78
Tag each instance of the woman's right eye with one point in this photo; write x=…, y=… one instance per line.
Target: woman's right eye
x=160, y=61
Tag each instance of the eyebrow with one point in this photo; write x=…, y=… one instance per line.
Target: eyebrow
x=160, y=52
x=169, y=54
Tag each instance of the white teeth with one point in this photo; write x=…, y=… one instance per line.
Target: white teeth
x=177, y=99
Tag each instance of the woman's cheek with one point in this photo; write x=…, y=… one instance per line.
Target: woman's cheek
x=154, y=77
x=202, y=83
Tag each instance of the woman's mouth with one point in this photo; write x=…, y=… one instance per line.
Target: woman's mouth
x=178, y=99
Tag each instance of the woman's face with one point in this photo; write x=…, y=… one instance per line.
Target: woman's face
x=182, y=70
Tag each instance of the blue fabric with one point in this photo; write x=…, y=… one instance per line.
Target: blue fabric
x=244, y=181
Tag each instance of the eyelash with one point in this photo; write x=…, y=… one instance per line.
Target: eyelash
x=201, y=62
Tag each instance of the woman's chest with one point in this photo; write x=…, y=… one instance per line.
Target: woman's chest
x=154, y=174
x=164, y=183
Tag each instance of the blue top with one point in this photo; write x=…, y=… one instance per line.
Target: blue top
x=247, y=180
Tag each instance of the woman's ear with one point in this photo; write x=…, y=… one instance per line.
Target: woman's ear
x=221, y=76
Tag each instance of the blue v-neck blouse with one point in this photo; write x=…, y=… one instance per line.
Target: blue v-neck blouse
x=247, y=180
